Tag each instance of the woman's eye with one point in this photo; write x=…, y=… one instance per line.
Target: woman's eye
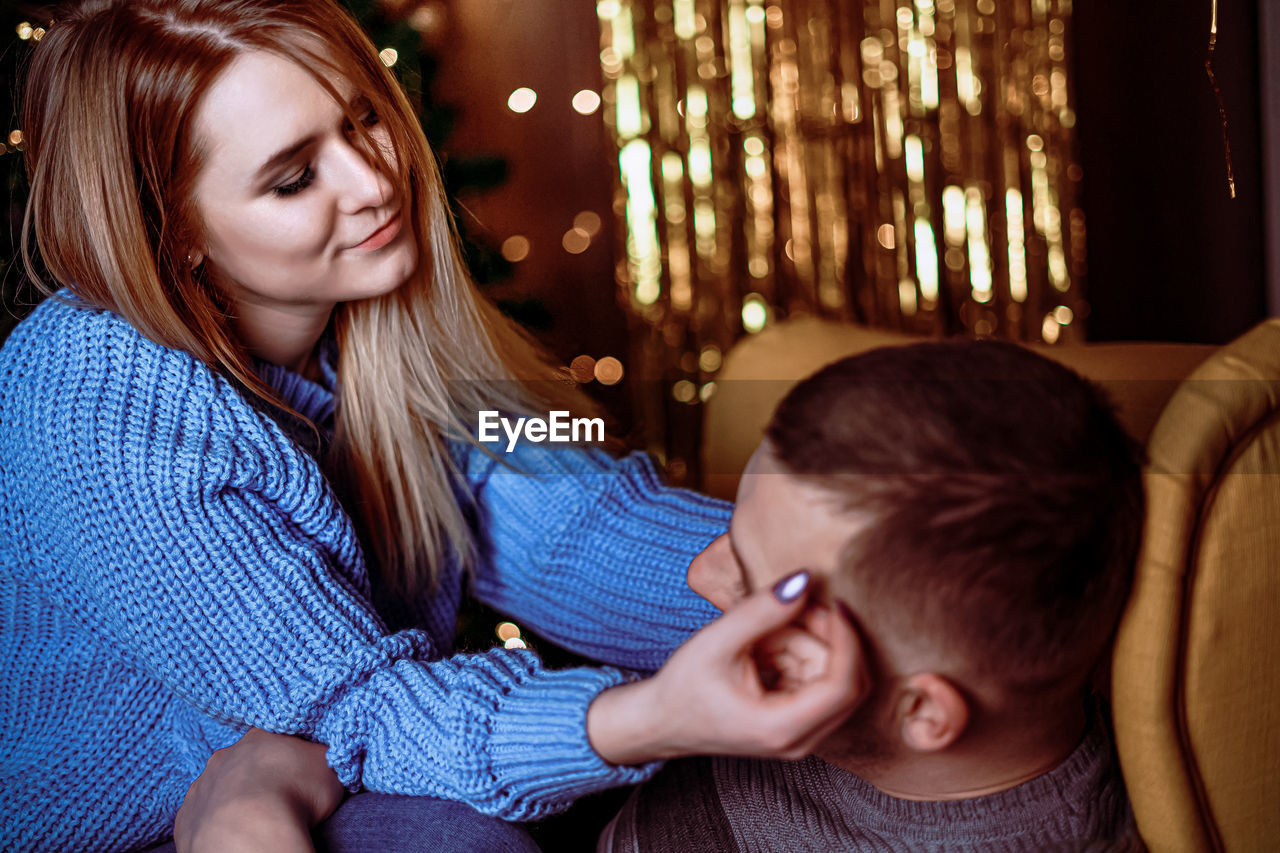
x=293, y=187
x=370, y=119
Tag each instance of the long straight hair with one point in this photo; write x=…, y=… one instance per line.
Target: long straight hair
x=112, y=158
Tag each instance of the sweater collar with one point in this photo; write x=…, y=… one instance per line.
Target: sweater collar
x=314, y=400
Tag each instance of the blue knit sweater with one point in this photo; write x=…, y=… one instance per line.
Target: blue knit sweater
x=174, y=569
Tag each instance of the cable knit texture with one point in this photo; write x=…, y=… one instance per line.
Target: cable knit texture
x=174, y=568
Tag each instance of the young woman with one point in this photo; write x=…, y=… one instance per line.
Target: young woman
x=239, y=479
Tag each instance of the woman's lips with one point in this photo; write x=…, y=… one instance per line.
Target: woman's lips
x=381, y=237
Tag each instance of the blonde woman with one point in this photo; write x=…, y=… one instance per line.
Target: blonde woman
x=240, y=484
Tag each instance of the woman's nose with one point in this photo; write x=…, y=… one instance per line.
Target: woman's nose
x=362, y=185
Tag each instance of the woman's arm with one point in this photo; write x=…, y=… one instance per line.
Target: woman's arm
x=590, y=551
x=710, y=697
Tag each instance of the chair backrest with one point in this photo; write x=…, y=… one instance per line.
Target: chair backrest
x=1196, y=670
x=758, y=372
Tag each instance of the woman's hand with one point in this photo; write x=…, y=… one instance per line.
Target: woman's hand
x=264, y=792
x=769, y=678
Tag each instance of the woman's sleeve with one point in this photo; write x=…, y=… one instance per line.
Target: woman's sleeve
x=590, y=551
x=238, y=584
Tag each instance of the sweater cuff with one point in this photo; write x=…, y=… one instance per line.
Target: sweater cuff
x=540, y=747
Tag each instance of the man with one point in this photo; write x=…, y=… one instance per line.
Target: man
x=976, y=508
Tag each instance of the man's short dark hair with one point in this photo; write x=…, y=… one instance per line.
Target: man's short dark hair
x=1007, y=500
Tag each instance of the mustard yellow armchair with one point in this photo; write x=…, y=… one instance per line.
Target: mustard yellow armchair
x=1196, y=669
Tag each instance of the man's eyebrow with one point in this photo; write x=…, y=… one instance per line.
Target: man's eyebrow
x=737, y=558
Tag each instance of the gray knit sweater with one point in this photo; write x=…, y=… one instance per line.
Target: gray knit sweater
x=708, y=805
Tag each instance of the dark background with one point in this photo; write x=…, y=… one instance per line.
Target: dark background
x=1171, y=255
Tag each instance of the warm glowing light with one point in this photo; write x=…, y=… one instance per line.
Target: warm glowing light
x=926, y=260
x=24, y=31
x=507, y=631
x=754, y=313
x=741, y=77
x=586, y=102
x=1050, y=330
x=643, y=250
x=884, y=234
x=516, y=249
x=1063, y=315
x=684, y=391
x=710, y=359
x=583, y=369
x=630, y=116
x=1017, y=245
x=609, y=371
x=427, y=18
x=588, y=221
x=608, y=9
x=515, y=643
x=686, y=23
x=753, y=145
x=575, y=241
x=388, y=55
x=907, y=296
x=915, y=159
x=979, y=256
x=953, y=215
x=522, y=100
x=15, y=138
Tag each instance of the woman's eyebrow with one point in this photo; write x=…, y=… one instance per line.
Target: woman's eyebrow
x=281, y=157
x=742, y=565
x=284, y=155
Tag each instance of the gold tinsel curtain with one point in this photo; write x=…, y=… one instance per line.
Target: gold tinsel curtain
x=907, y=165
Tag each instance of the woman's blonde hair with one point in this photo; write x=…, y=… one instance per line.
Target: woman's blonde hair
x=111, y=95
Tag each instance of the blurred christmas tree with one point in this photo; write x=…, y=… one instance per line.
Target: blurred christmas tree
x=400, y=30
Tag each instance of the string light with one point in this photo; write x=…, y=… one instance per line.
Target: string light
x=389, y=56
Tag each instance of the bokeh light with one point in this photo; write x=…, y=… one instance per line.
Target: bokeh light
x=522, y=100
x=516, y=248
x=586, y=102
x=609, y=371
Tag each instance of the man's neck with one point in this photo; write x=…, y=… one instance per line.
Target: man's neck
x=980, y=764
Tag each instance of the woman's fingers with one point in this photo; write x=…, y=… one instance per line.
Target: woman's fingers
x=828, y=686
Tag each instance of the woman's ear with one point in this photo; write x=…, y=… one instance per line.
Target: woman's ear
x=933, y=712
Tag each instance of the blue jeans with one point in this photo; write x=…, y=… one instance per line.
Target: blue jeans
x=373, y=823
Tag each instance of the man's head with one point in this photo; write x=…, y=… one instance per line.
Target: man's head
x=976, y=507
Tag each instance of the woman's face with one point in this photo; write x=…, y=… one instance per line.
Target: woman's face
x=294, y=218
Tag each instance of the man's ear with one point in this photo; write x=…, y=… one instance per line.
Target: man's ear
x=933, y=712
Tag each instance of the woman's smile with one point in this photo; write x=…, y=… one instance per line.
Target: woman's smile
x=387, y=232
